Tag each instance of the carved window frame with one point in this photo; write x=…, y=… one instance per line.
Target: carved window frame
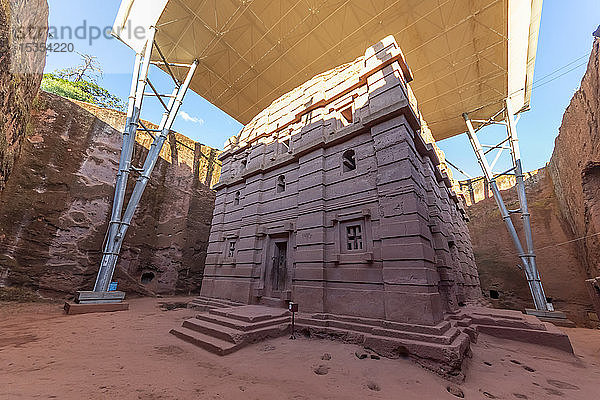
x=340, y=223
x=227, y=239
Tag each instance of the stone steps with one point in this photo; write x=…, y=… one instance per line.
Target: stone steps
x=206, y=304
x=237, y=324
x=224, y=330
x=272, y=302
x=425, y=329
x=206, y=342
x=251, y=313
x=208, y=328
x=510, y=324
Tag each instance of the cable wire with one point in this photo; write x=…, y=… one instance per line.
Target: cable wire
x=570, y=241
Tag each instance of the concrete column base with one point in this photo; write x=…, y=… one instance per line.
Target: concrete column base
x=84, y=308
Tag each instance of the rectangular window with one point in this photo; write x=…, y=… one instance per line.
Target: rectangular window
x=231, y=250
x=354, y=239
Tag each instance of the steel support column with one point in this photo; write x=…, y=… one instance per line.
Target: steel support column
x=533, y=277
x=138, y=84
x=119, y=222
x=527, y=258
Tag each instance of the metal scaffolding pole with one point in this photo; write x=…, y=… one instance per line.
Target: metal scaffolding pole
x=527, y=258
x=120, y=221
x=155, y=147
x=138, y=84
x=533, y=277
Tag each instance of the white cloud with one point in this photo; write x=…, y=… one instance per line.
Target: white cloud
x=189, y=118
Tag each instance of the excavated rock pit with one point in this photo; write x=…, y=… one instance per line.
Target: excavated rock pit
x=502, y=282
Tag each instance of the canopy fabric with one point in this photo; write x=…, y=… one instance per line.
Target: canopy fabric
x=465, y=55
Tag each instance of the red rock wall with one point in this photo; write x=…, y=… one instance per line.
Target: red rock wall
x=559, y=264
x=575, y=165
x=55, y=207
x=20, y=77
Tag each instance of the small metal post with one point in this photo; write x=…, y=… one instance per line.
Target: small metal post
x=293, y=328
x=293, y=307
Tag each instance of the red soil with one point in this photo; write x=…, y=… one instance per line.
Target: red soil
x=131, y=355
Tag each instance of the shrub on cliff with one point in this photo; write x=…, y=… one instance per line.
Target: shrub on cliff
x=81, y=90
x=80, y=83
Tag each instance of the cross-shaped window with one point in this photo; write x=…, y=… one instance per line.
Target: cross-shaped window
x=354, y=237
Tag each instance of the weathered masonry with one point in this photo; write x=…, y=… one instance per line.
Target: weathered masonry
x=331, y=198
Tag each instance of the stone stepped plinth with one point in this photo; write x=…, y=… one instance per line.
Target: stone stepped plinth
x=441, y=348
x=272, y=302
x=223, y=330
x=510, y=324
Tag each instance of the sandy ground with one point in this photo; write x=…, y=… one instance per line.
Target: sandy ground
x=131, y=355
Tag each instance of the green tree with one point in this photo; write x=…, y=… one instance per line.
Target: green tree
x=80, y=83
x=89, y=70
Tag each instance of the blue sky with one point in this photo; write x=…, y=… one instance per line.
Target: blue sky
x=565, y=35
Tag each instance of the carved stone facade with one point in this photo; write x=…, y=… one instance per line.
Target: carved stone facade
x=331, y=198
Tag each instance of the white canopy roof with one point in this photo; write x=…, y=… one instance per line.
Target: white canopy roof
x=466, y=56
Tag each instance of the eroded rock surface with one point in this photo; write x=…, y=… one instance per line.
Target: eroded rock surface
x=502, y=282
x=20, y=76
x=56, y=205
x=575, y=165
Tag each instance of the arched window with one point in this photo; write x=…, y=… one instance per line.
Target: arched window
x=236, y=199
x=349, y=161
x=281, y=184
